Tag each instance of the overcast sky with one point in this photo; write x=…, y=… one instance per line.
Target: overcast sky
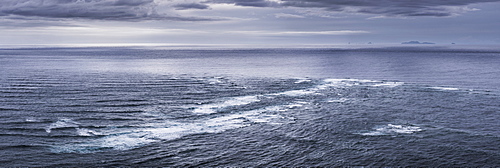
x=249, y=21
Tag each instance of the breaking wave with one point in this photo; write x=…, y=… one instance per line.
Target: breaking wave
x=392, y=129
x=211, y=121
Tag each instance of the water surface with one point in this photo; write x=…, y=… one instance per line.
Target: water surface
x=142, y=106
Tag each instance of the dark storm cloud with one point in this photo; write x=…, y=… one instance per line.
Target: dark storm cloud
x=124, y=10
x=137, y=10
x=190, y=6
x=437, y=8
x=253, y=3
x=17, y=22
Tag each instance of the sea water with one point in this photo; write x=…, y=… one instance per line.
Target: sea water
x=250, y=107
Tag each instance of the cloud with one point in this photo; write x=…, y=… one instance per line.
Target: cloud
x=190, y=6
x=138, y=10
x=288, y=16
x=252, y=3
x=21, y=23
x=338, y=32
x=412, y=8
x=123, y=10
x=301, y=33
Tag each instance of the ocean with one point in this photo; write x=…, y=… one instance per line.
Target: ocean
x=192, y=106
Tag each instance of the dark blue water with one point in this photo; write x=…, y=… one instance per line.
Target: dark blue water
x=253, y=107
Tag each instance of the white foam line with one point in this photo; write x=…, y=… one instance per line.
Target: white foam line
x=389, y=84
x=327, y=84
x=245, y=100
x=342, y=83
x=348, y=80
x=391, y=129
x=62, y=123
x=353, y=82
x=86, y=132
x=294, y=93
x=302, y=81
x=295, y=106
x=234, y=101
x=444, y=88
x=126, y=138
x=341, y=100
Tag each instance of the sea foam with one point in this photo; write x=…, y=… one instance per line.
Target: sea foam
x=444, y=88
x=62, y=123
x=234, y=101
x=327, y=83
x=139, y=135
x=133, y=137
x=391, y=129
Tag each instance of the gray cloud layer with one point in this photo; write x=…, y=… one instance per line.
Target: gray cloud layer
x=253, y=3
x=134, y=10
x=127, y=10
x=403, y=8
x=186, y=6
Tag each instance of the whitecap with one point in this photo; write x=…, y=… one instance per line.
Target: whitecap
x=444, y=88
x=341, y=100
x=119, y=142
x=129, y=138
x=349, y=81
x=292, y=106
x=273, y=119
x=86, y=132
x=355, y=82
x=245, y=100
x=62, y=123
x=388, y=84
x=391, y=129
x=303, y=81
x=31, y=119
x=343, y=83
x=234, y=101
x=327, y=83
x=294, y=93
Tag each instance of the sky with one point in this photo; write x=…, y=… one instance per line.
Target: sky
x=261, y=22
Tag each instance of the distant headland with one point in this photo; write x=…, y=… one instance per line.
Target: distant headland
x=416, y=42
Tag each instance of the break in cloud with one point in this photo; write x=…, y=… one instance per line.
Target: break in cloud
x=134, y=10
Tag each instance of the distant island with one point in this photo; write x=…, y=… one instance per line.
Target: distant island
x=416, y=42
